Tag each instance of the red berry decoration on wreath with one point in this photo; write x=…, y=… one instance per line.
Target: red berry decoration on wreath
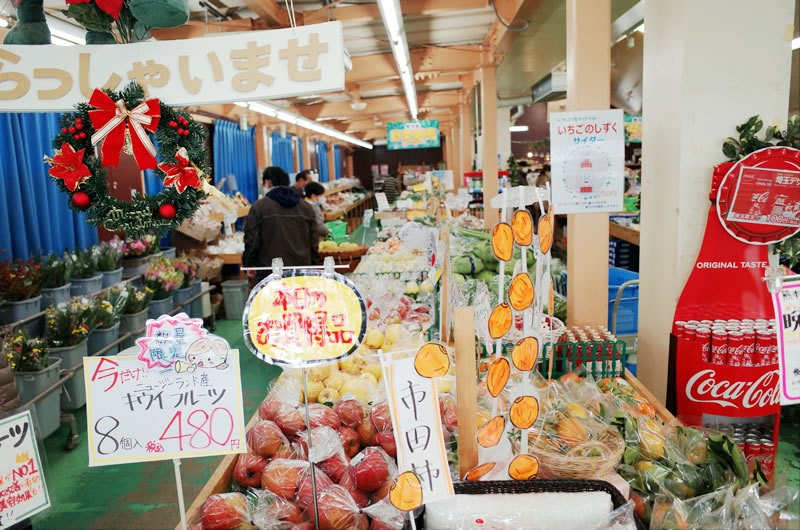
x=126, y=121
x=167, y=211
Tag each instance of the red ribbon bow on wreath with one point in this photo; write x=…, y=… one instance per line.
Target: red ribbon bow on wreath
x=183, y=174
x=112, y=119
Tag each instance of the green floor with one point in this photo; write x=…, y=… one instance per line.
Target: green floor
x=144, y=496
x=135, y=495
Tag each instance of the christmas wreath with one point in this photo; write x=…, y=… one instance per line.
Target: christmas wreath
x=127, y=121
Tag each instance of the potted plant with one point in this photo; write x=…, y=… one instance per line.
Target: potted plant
x=134, y=314
x=135, y=255
x=168, y=252
x=107, y=313
x=154, y=248
x=85, y=277
x=188, y=265
x=20, y=284
x=68, y=327
x=109, y=261
x=163, y=279
x=56, y=275
x=35, y=371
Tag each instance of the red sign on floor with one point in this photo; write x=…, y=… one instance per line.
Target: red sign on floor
x=766, y=196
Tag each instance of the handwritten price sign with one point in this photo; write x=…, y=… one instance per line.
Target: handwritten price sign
x=139, y=411
x=304, y=317
x=23, y=492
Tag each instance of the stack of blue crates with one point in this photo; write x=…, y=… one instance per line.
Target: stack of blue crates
x=623, y=255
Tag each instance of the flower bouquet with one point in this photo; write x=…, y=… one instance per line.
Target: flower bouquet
x=85, y=264
x=108, y=308
x=26, y=354
x=136, y=300
x=162, y=278
x=109, y=255
x=137, y=248
x=20, y=279
x=56, y=272
x=189, y=266
x=69, y=324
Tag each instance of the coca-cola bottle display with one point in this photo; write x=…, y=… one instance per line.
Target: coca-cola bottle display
x=724, y=371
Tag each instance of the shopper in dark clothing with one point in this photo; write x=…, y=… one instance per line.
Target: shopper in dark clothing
x=301, y=180
x=391, y=186
x=279, y=225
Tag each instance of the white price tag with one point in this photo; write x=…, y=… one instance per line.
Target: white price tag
x=383, y=202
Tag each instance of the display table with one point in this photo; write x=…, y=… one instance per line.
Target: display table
x=625, y=233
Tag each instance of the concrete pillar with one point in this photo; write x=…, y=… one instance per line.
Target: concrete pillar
x=588, y=88
x=489, y=140
x=465, y=134
x=701, y=79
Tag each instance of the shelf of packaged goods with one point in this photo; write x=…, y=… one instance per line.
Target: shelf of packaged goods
x=625, y=233
x=340, y=189
x=241, y=211
x=348, y=210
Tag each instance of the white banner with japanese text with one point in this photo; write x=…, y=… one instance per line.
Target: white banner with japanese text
x=252, y=65
x=587, y=151
x=23, y=491
x=180, y=397
x=787, y=312
x=414, y=406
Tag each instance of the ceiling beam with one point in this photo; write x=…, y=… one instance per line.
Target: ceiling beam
x=377, y=106
x=370, y=12
x=419, y=83
x=270, y=11
x=197, y=29
x=381, y=66
x=515, y=13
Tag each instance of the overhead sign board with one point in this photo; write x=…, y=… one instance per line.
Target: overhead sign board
x=412, y=134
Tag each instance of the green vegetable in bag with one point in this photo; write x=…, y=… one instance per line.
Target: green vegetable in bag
x=467, y=264
x=486, y=276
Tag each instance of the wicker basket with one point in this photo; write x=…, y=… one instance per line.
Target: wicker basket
x=535, y=486
x=554, y=464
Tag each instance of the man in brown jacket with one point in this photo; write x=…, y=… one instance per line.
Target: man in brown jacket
x=279, y=225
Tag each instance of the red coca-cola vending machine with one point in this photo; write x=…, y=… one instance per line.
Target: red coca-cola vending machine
x=723, y=347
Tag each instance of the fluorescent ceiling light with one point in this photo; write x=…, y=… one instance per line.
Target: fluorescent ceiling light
x=66, y=31
x=640, y=28
x=241, y=104
x=60, y=42
x=393, y=23
x=518, y=128
x=796, y=44
x=391, y=18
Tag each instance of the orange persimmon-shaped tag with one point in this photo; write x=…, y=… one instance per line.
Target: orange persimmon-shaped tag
x=503, y=241
x=522, y=226
x=405, y=493
x=524, y=412
x=523, y=467
x=491, y=432
x=500, y=321
x=525, y=353
x=520, y=292
x=545, y=233
x=497, y=378
x=432, y=360
x=478, y=472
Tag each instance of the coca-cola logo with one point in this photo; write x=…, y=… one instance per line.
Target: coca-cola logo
x=760, y=393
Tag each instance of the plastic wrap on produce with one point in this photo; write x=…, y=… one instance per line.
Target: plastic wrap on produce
x=757, y=509
x=532, y=511
x=304, y=317
x=226, y=510
x=620, y=519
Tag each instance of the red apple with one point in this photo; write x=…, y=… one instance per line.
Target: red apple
x=248, y=470
x=348, y=482
x=264, y=438
x=350, y=410
x=290, y=420
x=335, y=466
x=320, y=415
x=281, y=476
x=381, y=493
x=224, y=511
x=305, y=493
x=380, y=416
x=337, y=511
x=269, y=409
x=350, y=441
x=307, y=525
x=450, y=418
x=286, y=450
x=366, y=432
x=386, y=440
x=371, y=470
x=284, y=510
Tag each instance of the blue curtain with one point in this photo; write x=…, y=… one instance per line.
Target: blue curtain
x=235, y=154
x=33, y=211
x=322, y=161
x=337, y=161
x=282, y=153
x=300, y=154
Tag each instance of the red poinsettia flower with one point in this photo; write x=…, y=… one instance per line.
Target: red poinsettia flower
x=112, y=7
x=181, y=175
x=68, y=165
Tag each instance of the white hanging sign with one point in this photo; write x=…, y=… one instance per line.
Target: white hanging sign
x=587, y=151
x=787, y=313
x=23, y=492
x=252, y=65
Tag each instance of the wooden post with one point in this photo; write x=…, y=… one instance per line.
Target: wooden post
x=453, y=159
x=465, y=124
x=489, y=141
x=588, y=88
x=331, y=161
x=261, y=146
x=296, y=151
x=351, y=171
x=466, y=388
x=444, y=294
x=306, y=152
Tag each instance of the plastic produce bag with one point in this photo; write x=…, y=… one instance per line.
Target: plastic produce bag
x=338, y=511
x=713, y=510
x=620, y=519
x=772, y=510
x=224, y=511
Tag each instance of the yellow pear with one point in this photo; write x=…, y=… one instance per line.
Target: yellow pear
x=335, y=381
